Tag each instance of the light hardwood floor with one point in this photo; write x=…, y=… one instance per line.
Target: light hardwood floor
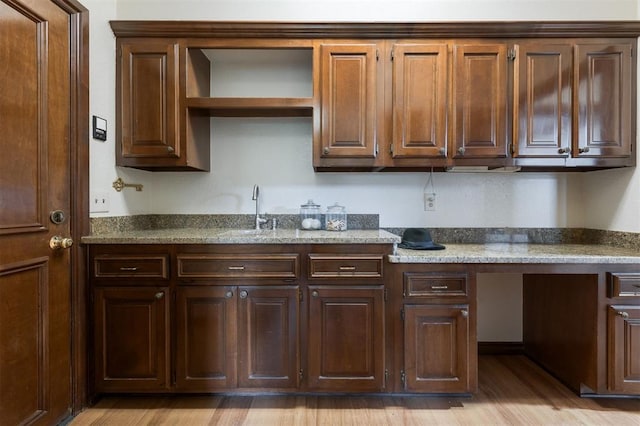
x=512, y=391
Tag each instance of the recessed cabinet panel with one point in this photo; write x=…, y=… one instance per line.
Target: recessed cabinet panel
x=348, y=100
x=603, y=74
x=131, y=339
x=624, y=349
x=436, y=353
x=268, y=337
x=346, y=338
x=149, y=100
x=479, y=100
x=419, y=100
x=206, y=330
x=543, y=98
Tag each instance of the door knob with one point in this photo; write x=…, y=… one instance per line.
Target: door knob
x=57, y=242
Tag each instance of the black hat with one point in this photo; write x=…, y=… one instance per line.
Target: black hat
x=418, y=239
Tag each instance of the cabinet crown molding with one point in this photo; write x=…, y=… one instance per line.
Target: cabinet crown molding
x=310, y=30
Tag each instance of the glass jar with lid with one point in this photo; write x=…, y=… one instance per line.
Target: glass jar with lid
x=310, y=216
x=336, y=218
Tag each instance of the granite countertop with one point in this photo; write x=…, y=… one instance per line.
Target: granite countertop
x=242, y=236
x=518, y=253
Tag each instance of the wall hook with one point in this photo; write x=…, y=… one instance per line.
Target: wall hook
x=119, y=185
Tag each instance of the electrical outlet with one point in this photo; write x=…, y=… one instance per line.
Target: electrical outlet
x=99, y=202
x=429, y=201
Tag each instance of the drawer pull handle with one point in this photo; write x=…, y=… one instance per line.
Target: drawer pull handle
x=623, y=314
x=159, y=295
x=439, y=287
x=243, y=294
x=129, y=268
x=347, y=268
x=464, y=313
x=236, y=268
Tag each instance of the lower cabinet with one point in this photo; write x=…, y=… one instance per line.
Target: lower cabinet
x=237, y=336
x=436, y=348
x=623, y=347
x=131, y=339
x=346, y=338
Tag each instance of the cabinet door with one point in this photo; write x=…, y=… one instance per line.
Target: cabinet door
x=436, y=348
x=604, y=91
x=268, y=351
x=131, y=339
x=206, y=329
x=148, y=104
x=349, y=80
x=419, y=100
x=346, y=338
x=479, y=115
x=624, y=349
x=542, y=100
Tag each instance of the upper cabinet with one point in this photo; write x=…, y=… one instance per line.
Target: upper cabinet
x=537, y=96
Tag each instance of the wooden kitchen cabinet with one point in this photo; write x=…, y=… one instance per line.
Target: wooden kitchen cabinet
x=206, y=338
x=149, y=121
x=352, y=101
x=268, y=337
x=623, y=328
x=419, y=107
x=604, y=75
x=479, y=102
x=346, y=338
x=436, y=348
x=131, y=339
x=542, y=93
x=439, y=354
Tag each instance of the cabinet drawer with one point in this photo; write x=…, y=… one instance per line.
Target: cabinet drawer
x=233, y=266
x=435, y=285
x=131, y=266
x=624, y=284
x=341, y=266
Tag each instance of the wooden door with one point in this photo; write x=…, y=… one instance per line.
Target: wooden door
x=349, y=89
x=131, y=342
x=543, y=100
x=479, y=116
x=268, y=348
x=624, y=349
x=206, y=330
x=148, y=104
x=603, y=75
x=346, y=339
x=38, y=131
x=436, y=348
x=419, y=100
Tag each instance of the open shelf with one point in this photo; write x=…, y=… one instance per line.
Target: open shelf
x=253, y=107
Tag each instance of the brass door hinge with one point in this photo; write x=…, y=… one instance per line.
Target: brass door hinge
x=511, y=54
x=403, y=379
x=402, y=314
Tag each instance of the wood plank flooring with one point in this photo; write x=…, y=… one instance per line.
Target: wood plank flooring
x=512, y=391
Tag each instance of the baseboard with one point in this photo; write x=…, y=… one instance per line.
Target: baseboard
x=500, y=348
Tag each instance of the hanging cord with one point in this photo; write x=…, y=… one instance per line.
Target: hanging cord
x=429, y=183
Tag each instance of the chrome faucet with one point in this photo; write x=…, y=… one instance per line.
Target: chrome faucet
x=256, y=198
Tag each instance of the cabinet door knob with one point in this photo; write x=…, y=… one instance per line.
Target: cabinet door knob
x=442, y=152
x=228, y=294
x=623, y=314
x=464, y=313
x=461, y=150
x=565, y=150
x=159, y=295
x=583, y=150
x=315, y=293
x=325, y=151
x=243, y=294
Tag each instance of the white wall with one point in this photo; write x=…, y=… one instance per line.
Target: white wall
x=277, y=153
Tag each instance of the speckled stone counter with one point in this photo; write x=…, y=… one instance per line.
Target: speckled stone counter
x=519, y=253
x=241, y=236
